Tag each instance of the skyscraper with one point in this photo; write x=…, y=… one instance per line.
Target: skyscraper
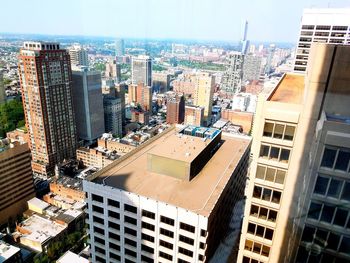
x=175, y=112
x=251, y=68
x=141, y=70
x=113, y=70
x=300, y=130
x=170, y=200
x=78, y=56
x=231, y=81
x=119, y=47
x=327, y=25
x=88, y=103
x=113, y=115
x=142, y=95
x=194, y=115
x=45, y=76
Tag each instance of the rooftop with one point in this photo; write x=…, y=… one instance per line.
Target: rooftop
x=290, y=89
x=131, y=175
x=70, y=257
x=7, y=251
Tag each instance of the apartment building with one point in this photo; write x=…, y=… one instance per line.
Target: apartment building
x=141, y=70
x=175, y=109
x=78, y=56
x=170, y=200
x=327, y=25
x=282, y=209
x=194, y=115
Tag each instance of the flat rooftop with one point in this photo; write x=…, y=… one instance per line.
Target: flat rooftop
x=198, y=195
x=7, y=251
x=290, y=89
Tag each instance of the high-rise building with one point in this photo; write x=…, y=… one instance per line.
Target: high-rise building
x=194, y=115
x=113, y=70
x=297, y=193
x=142, y=95
x=204, y=90
x=119, y=47
x=2, y=88
x=46, y=86
x=170, y=200
x=175, y=109
x=78, y=56
x=245, y=41
x=160, y=81
x=16, y=180
x=118, y=91
x=326, y=25
x=88, y=103
x=141, y=70
x=231, y=81
x=113, y=115
x=270, y=54
x=251, y=68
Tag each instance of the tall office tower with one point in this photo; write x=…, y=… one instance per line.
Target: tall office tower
x=299, y=130
x=327, y=25
x=245, y=42
x=45, y=76
x=270, y=54
x=251, y=67
x=119, y=92
x=160, y=82
x=175, y=112
x=2, y=88
x=231, y=81
x=170, y=200
x=194, y=115
x=142, y=95
x=141, y=70
x=113, y=70
x=113, y=115
x=88, y=103
x=204, y=91
x=78, y=56
x=119, y=47
x=16, y=180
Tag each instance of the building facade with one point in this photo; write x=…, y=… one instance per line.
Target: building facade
x=231, y=81
x=328, y=25
x=78, y=56
x=160, y=82
x=140, y=95
x=88, y=103
x=251, y=68
x=175, y=109
x=141, y=70
x=46, y=86
x=113, y=115
x=194, y=115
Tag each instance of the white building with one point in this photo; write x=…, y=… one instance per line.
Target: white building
x=327, y=25
x=146, y=206
x=141, y=70
x=78, y=56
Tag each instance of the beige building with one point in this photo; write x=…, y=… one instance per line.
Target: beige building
x=113, y=144
x=16, y=180
x=285, y=158
x=194, y=115
x=97, y=157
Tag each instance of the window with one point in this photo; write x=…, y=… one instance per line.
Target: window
x=345, y=245
x=314, y=210
x=321, y=185
x=165, y=244
x=99, y=230
x=203, y=232
x=113, y=214
x=167, y=220
x=342, y=162
x=334, y=188
x=114, y=236
x=274, y=153
x=130, y=242
x=148, y=214
x=99, y=240
x=166, y=232
x=328, y=158
x=187, y=227
x=147, y=237
x=340, y=217
x=97, y=209
x=130, y=220
x=268, y=129
x=323, y=27
x=130, y=208
x=113, y=203
x=113, y=225
x=165, y=255
x=148, y=226
x=267, y=194
x=308, y=234
x=309, y=27
x=114, y=246
x=147, y=249
x=187, y=240
x=130, y=252
x=146, y=259
x=98, y=220
x=185, y=252
x=113, y=256
x=130, y=231
x=346, y=192
x=327, y=213
x=97, y=198
x=260, y=231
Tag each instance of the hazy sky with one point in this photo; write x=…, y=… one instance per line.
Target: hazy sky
x=269, y=20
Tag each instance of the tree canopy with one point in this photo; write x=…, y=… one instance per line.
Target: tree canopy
x=11, y=116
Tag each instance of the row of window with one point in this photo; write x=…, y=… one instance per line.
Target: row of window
x=326, y=239
x=279, y=131
x=337, y=159
x=274, y=153
x=260, y=231
x=267, y=194
x=331, y=187
x=270, y=174
x=256, y=247
x=250, y=260
x=321, y=27
x=329, y=214
x=263, y=213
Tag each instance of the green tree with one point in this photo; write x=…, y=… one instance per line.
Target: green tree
x=11, y=116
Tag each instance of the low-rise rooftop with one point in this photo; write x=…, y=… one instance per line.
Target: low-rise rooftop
x=7, y=251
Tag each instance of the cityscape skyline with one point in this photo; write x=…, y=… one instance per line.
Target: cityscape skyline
x=185, y=21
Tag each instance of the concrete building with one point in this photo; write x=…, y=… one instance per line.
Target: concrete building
x=97, y=157
x=185, y=83
x=175, y=109
x=9, y=253
x=170, y=200
x=88, y=104
x=2, y=88
x=231, y=81
x=160, y=81
x=141, y=70
x=113, y=70
x=78, y=56
x=204, y=90
x=119, y=47
x=46, y=77
x=251, y=68
x=70, y=257
x=300, y=129
x=142, y=95
x=326, y=25
x=113, y=144
x=194, y=115
x=113, y=115
x=16, y=180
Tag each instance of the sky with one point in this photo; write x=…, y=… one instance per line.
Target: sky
x=222, y=20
